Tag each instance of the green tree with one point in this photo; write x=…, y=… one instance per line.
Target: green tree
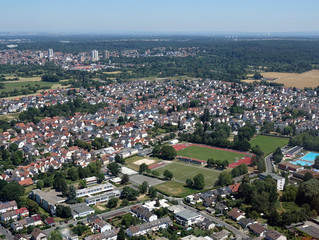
x=225, y=179
x=168, y=152
x=308, y=192
x=129, y=193
x=63, y=211
x=119, y=159
x=71, y=195
x=307, y=176
x=73, y=174
x=112, y=203
x=12, y=191
x=143, y=167
x=32, y=206
x=143, y=187
x=189, y=182
x=114, y=168
x=55, y=235
x=121, y=234
x=199, y=182
x=82, y=184
x=40, y=184
x=290, y=194
x=168, y=174
x=152, y=192
x=125, y=179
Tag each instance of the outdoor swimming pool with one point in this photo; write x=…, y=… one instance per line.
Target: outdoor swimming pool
x=310, y=156
x=302, y=163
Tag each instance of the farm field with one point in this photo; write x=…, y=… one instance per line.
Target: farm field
x=204, y=153
x=299, y=80
x=183, y=171
x=173, y=188
x=268, y=144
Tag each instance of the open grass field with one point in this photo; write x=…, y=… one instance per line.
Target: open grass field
x=10, y=86
x=25, y=79
x=299, y=80
x=268, y=144
x=173, y=188
x=203, y=153
x=183, y=171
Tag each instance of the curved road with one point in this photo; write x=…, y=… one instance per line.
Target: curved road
x=239, y=234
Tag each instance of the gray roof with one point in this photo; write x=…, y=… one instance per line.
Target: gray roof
x=186, y=214
x=80, y=208
x=274, y=176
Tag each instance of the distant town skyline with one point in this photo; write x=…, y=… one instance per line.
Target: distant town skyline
x=175, y=16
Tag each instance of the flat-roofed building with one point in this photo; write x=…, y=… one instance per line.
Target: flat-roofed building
x=81, y=210
x=44, y=200
x=187, y=218
x=102, y=197
x=91, y=181
x=279, y=180
x=93, y=190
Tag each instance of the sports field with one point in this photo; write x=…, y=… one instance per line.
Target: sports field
x=182, y=171
x=204, y=153
x=173, y=188
x=268, y=144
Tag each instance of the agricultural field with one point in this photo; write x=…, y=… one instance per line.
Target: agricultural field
x=268, y=144
x=204, y=153
x=298, y=80
x=173, y=188
x=182, y=171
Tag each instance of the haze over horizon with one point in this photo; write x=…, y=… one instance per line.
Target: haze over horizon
x=178, y=16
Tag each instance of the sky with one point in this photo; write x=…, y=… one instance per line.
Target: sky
x=159, y=16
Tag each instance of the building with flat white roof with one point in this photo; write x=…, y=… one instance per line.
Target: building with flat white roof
x=93, y=190
x=102, y=197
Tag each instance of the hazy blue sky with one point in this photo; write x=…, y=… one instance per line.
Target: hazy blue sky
x=105, y=16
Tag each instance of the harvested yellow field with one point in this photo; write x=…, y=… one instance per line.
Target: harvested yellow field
x=299, y=80
x=111, y=73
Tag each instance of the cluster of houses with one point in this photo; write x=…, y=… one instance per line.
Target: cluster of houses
x=255, y=227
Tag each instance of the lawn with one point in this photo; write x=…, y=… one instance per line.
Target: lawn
x=203, y=153
x=173, y=188
x=10, y=86
x=183, y=171
x=268, y=144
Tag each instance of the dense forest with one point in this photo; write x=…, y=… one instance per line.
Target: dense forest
x=218, y=58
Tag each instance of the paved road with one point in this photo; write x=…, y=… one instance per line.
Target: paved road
x=239, y=234
x=268, y=162
x=6, y=233
x=106, y=214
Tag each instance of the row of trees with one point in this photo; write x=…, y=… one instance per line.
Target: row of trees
x=218, y=134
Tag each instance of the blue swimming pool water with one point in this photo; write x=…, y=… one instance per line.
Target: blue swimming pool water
x=310, y=156
x=302, y=163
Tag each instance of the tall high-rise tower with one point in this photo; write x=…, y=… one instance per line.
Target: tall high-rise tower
x=106, y=54
x=95, y=56
x=50, y=53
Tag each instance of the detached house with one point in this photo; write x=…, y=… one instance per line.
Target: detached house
x=143, y=213
x=236, y=214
